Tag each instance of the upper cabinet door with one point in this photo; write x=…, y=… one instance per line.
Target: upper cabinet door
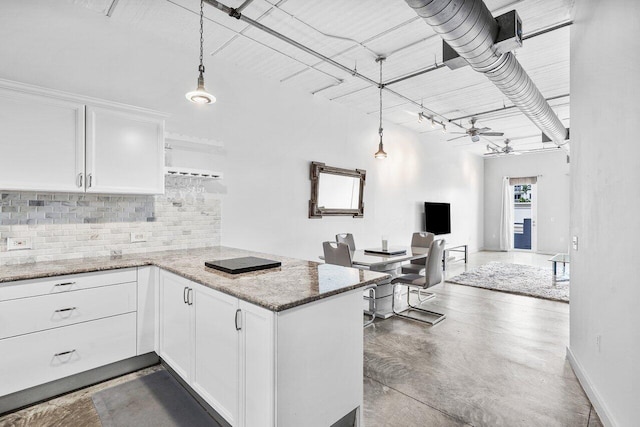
x=41, y=143
x=125, y=152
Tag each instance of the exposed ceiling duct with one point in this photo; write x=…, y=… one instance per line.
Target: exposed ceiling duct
x=470, y=29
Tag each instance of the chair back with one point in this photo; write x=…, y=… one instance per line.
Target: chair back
x=422, y=239
x=348, y=239
x=433, y=270
x=337, y=253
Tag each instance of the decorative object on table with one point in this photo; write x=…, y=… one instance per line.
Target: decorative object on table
x=385, y=243
x=200, y=95
x=348, y=239
x=516, y=279
x=242, y=265
x=336, y=191
x=389, y=251
x=380, y=154
x=418, y=240
x=432, y=276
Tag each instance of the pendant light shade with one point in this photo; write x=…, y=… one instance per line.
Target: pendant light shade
x=200, y=95
x=380, y=154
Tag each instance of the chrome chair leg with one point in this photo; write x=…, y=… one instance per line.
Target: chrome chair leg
x=371, y=297
x=439, y=316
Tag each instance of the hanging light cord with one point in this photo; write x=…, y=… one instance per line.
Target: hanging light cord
x=381, y=86
x=201, y=67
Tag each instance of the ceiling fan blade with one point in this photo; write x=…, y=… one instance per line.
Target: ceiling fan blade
x=457, y=137
x=484, y=129
x=492, y=133
x=458, y=133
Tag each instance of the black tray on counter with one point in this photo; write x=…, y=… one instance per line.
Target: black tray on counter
x=242, y=265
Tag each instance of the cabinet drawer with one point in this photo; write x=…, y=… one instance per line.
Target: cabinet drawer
x=26, y=315
x=72, y=282
x=33, y=359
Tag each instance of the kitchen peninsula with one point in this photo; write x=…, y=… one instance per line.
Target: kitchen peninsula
x=276, y=347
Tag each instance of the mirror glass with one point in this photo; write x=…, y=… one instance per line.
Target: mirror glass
x=336, y=191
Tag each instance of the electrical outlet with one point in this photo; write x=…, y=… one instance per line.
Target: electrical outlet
x=16, y=244
x=598, y=342
x=574, y=242
x=138, y=236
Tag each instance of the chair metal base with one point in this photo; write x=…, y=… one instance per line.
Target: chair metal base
x=439, y=317
x=371, y=297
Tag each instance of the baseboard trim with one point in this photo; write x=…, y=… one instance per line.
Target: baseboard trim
x=31, y=396
x=601, y=408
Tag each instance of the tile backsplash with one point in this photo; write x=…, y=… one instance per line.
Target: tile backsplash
x=66, y=225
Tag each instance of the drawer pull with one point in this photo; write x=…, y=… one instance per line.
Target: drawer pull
x=62, y=310
x=65, y=284
x=64, y=353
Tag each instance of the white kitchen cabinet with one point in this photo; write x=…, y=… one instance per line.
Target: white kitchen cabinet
x=55, y=141
x=53, y=328
x=257, y=370
x=41, y=142
x=217, y=357
x=176, y=318
x=222, y=347
x=125, y=152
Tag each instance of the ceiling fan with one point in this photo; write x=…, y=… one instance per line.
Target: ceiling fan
x=475, y=133
x=497, y=150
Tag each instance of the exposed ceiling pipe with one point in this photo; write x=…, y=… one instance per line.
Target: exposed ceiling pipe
x=232, y=12
x=470, y=29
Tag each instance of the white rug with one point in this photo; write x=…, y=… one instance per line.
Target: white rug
x=516, y=279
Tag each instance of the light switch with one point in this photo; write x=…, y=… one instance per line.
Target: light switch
x=574, y=242
x=16, y=244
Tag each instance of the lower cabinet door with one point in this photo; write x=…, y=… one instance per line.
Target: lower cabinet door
x=175, y=323
x=216, y=370
x=37, y=358
x=257, y=349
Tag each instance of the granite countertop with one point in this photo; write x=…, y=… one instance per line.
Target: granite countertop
x=295, y=283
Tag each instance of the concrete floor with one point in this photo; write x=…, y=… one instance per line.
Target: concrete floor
x=497, y=360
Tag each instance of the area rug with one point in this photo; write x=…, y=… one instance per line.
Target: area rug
x=515, y=279
x=155, y=400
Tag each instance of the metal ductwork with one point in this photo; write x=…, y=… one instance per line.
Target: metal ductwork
x=470, y=29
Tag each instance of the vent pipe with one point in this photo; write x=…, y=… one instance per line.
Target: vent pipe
x=470, y=29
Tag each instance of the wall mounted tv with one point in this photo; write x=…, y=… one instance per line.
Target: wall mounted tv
x=437, y=218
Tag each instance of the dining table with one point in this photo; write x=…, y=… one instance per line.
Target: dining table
x=373, y=259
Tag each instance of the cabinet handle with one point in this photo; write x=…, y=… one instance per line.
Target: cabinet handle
x=238, y=319
x=190, y=296
x=62, y=310
x=80, y=176
x=64, y=353
x=65, y=284
x=184, y=295
x=90, y=178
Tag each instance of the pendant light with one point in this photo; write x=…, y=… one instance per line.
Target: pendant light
x=380, y=154
x=200, y=95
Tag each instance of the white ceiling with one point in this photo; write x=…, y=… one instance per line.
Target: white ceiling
x=354, y=33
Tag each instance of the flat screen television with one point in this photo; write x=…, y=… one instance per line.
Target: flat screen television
x=437, y=218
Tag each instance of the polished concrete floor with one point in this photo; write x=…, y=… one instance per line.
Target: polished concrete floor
x=496, y=360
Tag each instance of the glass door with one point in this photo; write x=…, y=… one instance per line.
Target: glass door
x=524, y=217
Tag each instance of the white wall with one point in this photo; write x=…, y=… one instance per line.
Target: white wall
x=605, y=291
x=271, y=132
x=553, y=197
